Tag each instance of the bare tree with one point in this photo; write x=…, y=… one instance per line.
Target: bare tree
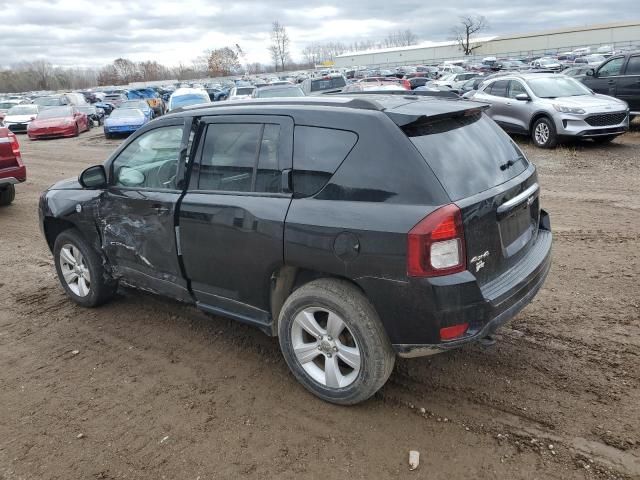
x=280, y=44
x=468, y=28
x=223, y=62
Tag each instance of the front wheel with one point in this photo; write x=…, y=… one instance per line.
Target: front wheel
x=81, y=271
x=544, y=133
x=334, y=343
x=7, y=195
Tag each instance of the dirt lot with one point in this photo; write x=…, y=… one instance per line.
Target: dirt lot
x=159, y=390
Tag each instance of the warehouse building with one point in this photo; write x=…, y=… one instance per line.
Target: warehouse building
x=623, y=35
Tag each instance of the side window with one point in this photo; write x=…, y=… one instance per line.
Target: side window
x=234, y=151
x=516, y=88
x=499, y=88
x=228, y=157
x=151, y=160
x=633, y=67
x=317, y=154
x=611, y=68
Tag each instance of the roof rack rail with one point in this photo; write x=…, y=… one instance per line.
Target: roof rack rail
x=321, y=100
x=411, y=93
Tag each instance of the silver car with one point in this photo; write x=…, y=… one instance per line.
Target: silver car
x=550, y=106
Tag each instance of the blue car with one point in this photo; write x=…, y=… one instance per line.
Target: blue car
x=124, y=120
x=141, y=105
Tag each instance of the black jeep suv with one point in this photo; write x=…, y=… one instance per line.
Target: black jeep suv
x=354, y=228
x=618, y=77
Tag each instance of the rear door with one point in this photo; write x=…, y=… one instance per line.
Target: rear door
x=628, y=87
x=232, y=215
x=487, y=176
x=496, y=94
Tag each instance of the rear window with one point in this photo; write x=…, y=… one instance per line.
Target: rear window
x=317, y=154
x=327, y=84
x=468, y=154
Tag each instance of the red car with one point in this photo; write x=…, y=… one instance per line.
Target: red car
x=12, y=170
x=66, y=121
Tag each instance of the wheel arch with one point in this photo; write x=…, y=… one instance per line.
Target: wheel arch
x=55, y=226
x=288, y=279
x=537, y=116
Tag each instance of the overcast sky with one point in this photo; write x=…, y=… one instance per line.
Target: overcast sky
x=93, y=33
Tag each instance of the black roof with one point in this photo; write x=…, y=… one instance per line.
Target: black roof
x=401, y=108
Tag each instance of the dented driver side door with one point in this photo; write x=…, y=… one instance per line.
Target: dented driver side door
x=137, y=211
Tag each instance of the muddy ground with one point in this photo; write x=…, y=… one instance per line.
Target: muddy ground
x=161, y=391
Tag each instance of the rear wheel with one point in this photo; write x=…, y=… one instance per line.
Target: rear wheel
x=81, y=271
x=334, y=343
x=77, y=132
x=544, y=133
x=7, y=195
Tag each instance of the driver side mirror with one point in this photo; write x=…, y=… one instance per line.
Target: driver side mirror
x=93, y=177
x=590, y=73
x=523, y=97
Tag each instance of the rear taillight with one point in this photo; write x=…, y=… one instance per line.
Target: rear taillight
x=453, y=332
x=406, y=84
x=15, y=146
x=436, y=244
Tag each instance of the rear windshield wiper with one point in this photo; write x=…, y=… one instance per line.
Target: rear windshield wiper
x=508, y=164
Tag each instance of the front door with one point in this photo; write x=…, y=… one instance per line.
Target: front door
x=605, y=78
x=136, y=211
x=232, y=216
x=629, y=84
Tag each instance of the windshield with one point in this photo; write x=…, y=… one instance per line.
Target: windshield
x=126, y=113
x=280, y=92
x=328, y=84
x=244, y=91
x=48, y=101
x=189, y=99
x=552, y=87
x=55, y=113
x=23, y=110
x=473, y=144
x=547, y=61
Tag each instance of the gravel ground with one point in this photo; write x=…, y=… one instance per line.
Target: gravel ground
x=160, y=390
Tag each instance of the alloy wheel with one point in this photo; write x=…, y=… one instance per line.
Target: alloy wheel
x=542, y=133
x=74, y=270
x=325, y=347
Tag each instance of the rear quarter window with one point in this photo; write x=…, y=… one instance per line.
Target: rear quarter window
x=468, y=154
x=317, y=154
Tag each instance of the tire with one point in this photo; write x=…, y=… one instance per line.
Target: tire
x=543, y=133
x=603, y=139
x=108, y=136
x=316, y=304
x=99, y=287
x=77, y=132
x=7, y=195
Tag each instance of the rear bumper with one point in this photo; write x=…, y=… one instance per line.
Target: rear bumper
x=11, y=176
x=414, y=313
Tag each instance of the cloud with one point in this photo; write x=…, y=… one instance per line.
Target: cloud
x=90, y=33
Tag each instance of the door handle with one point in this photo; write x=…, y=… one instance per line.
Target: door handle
x=160, y=209
x=508, y=103
x=611, y=82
